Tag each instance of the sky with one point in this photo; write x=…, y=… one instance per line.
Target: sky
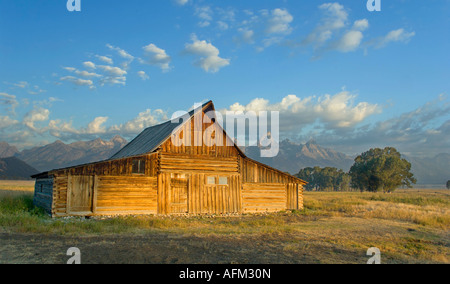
x=349, y=78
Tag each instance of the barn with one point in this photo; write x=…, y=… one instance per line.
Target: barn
x=152, y=175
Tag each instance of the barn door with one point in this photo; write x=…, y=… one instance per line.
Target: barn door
x=179, y=194
x=80, y=195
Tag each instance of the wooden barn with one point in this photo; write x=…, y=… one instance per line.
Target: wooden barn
x=151, y=175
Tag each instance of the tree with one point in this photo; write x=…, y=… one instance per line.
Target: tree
x=381, y=170
x=448, y=184
x=325, y=179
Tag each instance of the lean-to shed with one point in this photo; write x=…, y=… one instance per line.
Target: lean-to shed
x=154, y=175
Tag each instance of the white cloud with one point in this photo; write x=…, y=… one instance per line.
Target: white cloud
x=332, y=112
x=6, y=122
x=144, y=120
x=122, y=53
x=113, y=75
x=334, y=18
x=105, y=59
x=89, y=64
x=9, y=101
x=205, y=14
x=246, y=36
x=361, y=25
x=156, y=56
x=279, y=22
x=181, y=2
x=21, y=84
x=208, y=54
x=222, y=25
x=86, y=74
x=423, y=131
x=112, y=71
x=37, y=114
x=350, y=41
x=96, y=126
x=143, y=75
x=399, y=35
x=77, y=81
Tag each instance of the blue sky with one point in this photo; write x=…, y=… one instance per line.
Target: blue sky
x=349, y=78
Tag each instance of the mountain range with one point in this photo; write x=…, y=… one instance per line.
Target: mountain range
x=60, y=155
x=291, y=158
x=14, y=169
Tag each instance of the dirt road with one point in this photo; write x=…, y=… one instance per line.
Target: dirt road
x=164, y=249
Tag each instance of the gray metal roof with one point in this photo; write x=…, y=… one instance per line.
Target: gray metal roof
x=151, y=138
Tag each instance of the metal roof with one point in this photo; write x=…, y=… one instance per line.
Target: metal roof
x=151, y=138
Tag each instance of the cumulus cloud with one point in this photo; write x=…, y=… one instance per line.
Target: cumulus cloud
x=331, y=112
x=156, y=56
x=112, y=75
x=399, y=35
x=279, y=22
x=208, y=55
x=105, y=59
x=334, y=32
x=37, y=114
x=98, y=127
x=78, y=81
x=6, y=122
x=205, y=14
x=423, y=131
x=334, y=18
x=123, y=54
x=9, y=102
x=143, y=75
x=181, y=2
x=21, y=84
x=144, y=120
x=361, y=25
x=246, y=35
x=89, y=64
x=339, y=122
x=350, y=41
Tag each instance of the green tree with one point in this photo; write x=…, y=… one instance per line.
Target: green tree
x=325, y=179
x=448, y=184
x=381, y=170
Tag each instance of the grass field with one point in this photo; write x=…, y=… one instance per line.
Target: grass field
x=408, y=226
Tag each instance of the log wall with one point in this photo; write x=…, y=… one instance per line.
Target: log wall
x=255, y=172
x=263, y=197
x=132, y=195
x=201, y=197
x=43, y=194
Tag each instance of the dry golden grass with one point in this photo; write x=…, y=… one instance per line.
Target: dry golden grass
x=17, y=185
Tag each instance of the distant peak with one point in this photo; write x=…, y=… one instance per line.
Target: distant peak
x=312, y=142
x=118, y=139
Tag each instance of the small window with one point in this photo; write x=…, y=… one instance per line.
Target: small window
x=211, y=180
x=138, y=166
x=223, y=181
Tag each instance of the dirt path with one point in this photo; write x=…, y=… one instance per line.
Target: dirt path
x=161, y=249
